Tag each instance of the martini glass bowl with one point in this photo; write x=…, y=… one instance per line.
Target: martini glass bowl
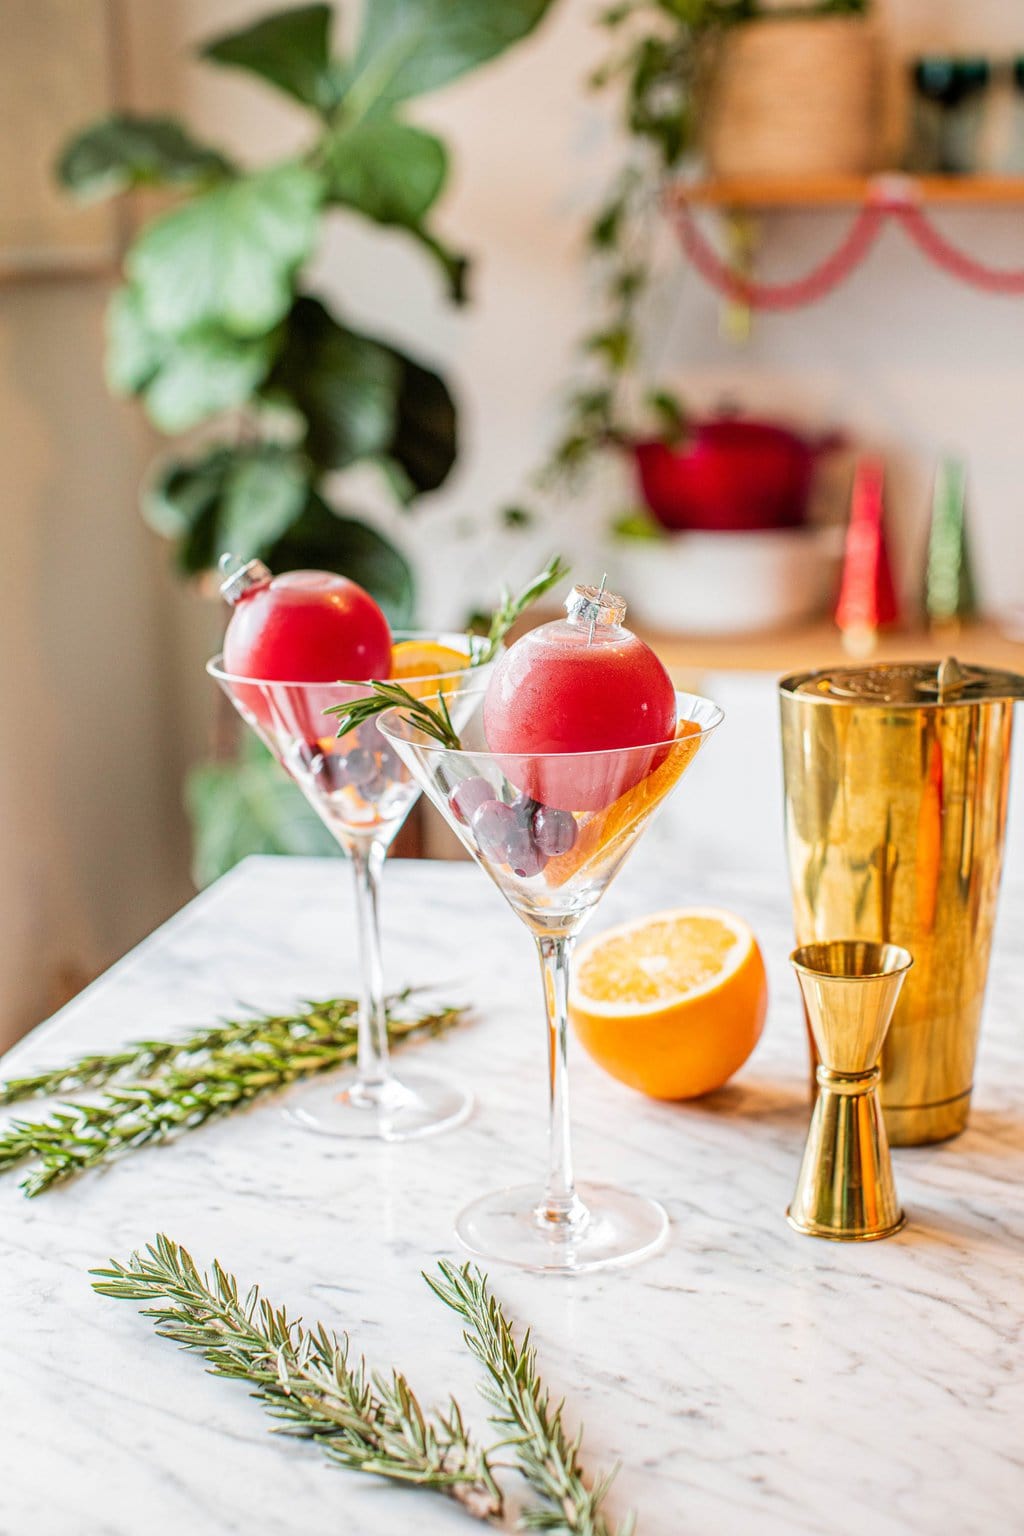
x=362, y=792
x=553, y=864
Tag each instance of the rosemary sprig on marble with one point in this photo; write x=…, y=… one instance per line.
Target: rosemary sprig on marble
x=521, y=1407
x=157, y=1089
x=306, y=1377
x=367, y=1421
x=436, y=723
x=143, y=1058
x=512, y=607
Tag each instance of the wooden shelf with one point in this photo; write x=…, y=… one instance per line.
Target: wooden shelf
x=820, y=645
x=890, y=188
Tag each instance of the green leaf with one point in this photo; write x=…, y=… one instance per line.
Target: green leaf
x=180, y=503
x=290, y=49
x=424, y=441
x=186, y=379
x=398, y=482
x=134, y=353
x=346, y=386
x=228, y=257
x=453, y=264
x=670, y=412
x=638, y=525
x=518, y=517
x=616, y=345
x=182, y=493
x=407, y=47
x=126, y=151
x=248, y=806
x=364, y=399
x=255, y=500
x=264, y=494
x=323, y=540
x=388, y=170
x=206, y=373
x=240, y=499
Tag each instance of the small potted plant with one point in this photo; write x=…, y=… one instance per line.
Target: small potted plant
x=794, y=91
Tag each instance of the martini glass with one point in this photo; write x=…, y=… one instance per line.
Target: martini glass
x=553, y=864
x=362, y=792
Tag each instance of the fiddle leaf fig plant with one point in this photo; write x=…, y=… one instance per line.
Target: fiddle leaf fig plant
x=214, y=325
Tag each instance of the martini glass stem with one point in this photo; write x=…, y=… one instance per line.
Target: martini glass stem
x=561, y=1206
x=372, y=1067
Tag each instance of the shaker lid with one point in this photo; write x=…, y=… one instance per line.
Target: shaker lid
x=907, y=683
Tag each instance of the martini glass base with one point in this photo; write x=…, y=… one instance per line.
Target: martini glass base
x=620, y=1228
x=402, y=1108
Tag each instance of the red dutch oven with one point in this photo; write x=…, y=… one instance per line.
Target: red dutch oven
x=730, y=474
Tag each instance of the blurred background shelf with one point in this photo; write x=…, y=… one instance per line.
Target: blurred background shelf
x=889, y=189
x=820, y=645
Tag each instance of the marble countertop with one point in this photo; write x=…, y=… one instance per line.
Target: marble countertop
x=747, y=1379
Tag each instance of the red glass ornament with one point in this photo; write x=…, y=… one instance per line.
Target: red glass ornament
x=583, y=684
x=301, y=627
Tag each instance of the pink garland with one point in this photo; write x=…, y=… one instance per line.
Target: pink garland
x=889, y=199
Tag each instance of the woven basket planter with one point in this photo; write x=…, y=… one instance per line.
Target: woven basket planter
x=795, y=97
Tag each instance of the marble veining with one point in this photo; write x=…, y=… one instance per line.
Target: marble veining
x=747, y=1379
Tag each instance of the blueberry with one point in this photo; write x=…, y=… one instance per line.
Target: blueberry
x=525, y=857
x=495, y=828
x=334, y=773
x=468, y=796
x=326, y=769
x=361, y=766
x=554, y=832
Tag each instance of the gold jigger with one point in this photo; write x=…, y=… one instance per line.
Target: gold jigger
x=845, y=1190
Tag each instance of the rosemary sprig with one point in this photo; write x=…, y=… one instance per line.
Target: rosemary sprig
x=521, y=1407
x=180, y=1085
x=142, y=1058
x=305, y=1377
x=364, y=1420
x=436, y=723
x=511, y=608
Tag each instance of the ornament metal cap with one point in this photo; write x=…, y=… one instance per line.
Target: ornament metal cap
x=594, y=606
x=240, y=578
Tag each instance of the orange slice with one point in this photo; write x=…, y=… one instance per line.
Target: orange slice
x=425, y=658
x=618, y=820
x=672, y=1004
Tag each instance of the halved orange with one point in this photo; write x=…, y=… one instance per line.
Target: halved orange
x=672, y=1004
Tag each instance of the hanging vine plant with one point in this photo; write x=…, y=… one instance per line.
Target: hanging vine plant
x=661, y=57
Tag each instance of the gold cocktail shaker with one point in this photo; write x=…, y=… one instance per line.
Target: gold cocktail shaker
x=896, y=789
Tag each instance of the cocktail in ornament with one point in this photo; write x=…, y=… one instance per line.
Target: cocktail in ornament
x=551, y=828
x=296, y=647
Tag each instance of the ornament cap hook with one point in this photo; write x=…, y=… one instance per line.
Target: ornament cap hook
x=241, y=577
